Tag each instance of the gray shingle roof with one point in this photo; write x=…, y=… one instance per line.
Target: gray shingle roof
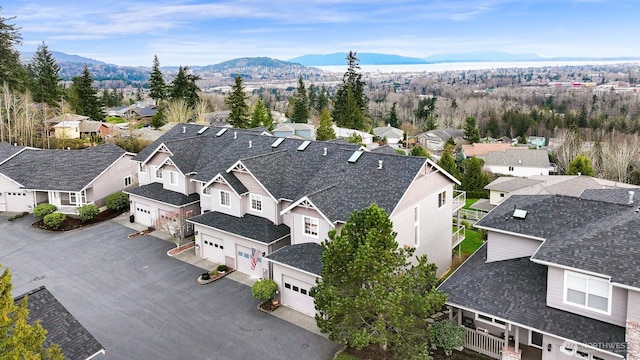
x=597, y=236
x=62, y=328
x=511, y=184
x=516, y=290
x=249, y=226
x=305, y=256
x=7, y=151
x=518, y=158
x=64, y=170
x=155, y=191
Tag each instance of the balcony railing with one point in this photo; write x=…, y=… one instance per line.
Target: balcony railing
x=471, y=214
x=458, y=236
x=458, y=200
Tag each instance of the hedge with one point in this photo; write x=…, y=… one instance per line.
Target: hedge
x=88, y=212
x=43, y=210
x=117, y=201
x=54, y=220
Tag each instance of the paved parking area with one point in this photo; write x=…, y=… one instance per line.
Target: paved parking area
x=141, y=304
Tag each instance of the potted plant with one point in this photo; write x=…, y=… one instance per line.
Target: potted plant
x=222, y=269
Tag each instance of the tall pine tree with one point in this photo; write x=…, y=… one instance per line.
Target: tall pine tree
x=184, y=87
x=325, y=129
x=300, y=113
x=261, y=116
x=237, y=103
x=45, y=81
x=157, y=85
x=83, y=98
x=11, y=70
x=350, y=105
x=448, y=163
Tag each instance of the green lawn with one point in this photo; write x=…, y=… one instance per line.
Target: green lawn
x=472, y=241
x=469, y=202
x=115, y=120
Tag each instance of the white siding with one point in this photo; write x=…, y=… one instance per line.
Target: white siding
x=495, y=198
x=503, y=246
x=296, y=224
x=556, y=354
x=633, y=306
x=112, y=180
x=519, y=171
x=279, y=271
x=144, y=178
x=213, y=200
x=269, y=206
x=181, y=184
x=555, y=298
x=14, y=198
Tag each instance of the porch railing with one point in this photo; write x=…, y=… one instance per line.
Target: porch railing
x=459, y=200
x=471, y=214
x=458, y=236
x=483, y=343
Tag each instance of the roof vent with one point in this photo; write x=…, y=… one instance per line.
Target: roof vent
x=277, y=142
x=202, y=130
x=356, y=155
x=379, y=164
x=304, y=145
x=250, y=144
x=324, y=153
x=222, y=131
x=184, y=129
x=235, y=135
x=631, y=196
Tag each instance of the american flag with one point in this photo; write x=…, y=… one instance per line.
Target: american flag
x=255, y=254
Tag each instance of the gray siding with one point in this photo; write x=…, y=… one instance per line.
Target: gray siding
x=633, y=305
x=269, y=206
x=297, y=226
x=213, y=200
x=112, y=180
x=555, y=298
x=180, y=186
x=504, y=246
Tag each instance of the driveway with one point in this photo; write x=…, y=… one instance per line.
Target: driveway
x=141, y=304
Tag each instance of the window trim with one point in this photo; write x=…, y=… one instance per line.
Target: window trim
x=258, y=199
x=529, y=343
x=492, y=322
x=304, y=226
x=206, y=190
x=142, y=168
x=128, y=181
x=416, y=226
x=565, y=291
x=172, y=175
x=442, y=199
x=157, y=170
x=228, y=194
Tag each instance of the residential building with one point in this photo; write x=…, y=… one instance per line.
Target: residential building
x=515, y=162
x=63, y=329
x=367, y=138
x=67, y=130
x=556, y=279
x=393, y=135
x=537, y=141
x=295, y=130
x=436, y=140
x=482, y=149
x=65, y=178
x=266, y=203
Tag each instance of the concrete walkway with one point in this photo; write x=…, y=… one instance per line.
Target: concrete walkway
x=189, y=256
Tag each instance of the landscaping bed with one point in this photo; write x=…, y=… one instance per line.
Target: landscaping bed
x=71, y=223
x=374, y=352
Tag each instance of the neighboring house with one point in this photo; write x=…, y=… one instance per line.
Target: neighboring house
x=556, y=279
x=63, y=329
x=515, y=162
x=92, y=129
x=50, y=123
x=393, y=135
x=267, y=203
x=482, y=149
x=67, y=130
x=435, y=140
x=367, y=138
x=65, y=178
x=295, y=130
x=537, y=141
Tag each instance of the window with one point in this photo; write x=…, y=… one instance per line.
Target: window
x=142, y=168
x=490, y=320
x=502, y=195
x=442, y=199
x=256, y=202
x=225, y=199
x=127, y=181
x=206, y=191
x=73, y=198
x=510, y=168
x=310, y=226
x=416, y=226
x=173, y=177
x=587, y=291
x=158, y=172
x=535, y=339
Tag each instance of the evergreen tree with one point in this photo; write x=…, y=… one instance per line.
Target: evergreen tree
x=18, y=339
x=393, y=117
x=139, y=96
x=312, y=95
x=157, y=85
x=350, y=108
x=325, y=130
x=369, y=292
x=300, y=113
x=448, y=163
x=237, y=103
x=83, y=98
x=260, y=116
x=322, y=102
x=426, y=114
x=45, y=82
x=419, y=151
x=157, y=120
x=474, y=179
x=11, y=70
x=471, y=131
x=581, y=165
x=184, y=87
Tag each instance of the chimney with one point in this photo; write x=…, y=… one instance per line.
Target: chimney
x=184, y=129
x=250, y=144
x=235, y=135
x=379, y=164
x=325, y=152
x=631, y=196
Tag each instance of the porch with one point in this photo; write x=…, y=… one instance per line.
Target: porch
x=459, y=200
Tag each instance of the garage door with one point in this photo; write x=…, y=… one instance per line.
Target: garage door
x=143, y=215
x=212, y=248
x=243, y=261
x=16, y=201
x=295, y=294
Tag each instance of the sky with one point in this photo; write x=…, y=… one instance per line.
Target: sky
x=208, y=32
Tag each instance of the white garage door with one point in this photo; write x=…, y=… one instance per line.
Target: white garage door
x=143, y=215
x=295, y=294
x=212, y=248
x=244, y=264
x=16, y=201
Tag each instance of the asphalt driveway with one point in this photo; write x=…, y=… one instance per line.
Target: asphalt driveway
x=141, y=304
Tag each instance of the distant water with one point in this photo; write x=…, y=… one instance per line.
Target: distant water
x=440, y=67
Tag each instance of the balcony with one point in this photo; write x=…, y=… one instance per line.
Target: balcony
x=458, y=236
x=459, y=200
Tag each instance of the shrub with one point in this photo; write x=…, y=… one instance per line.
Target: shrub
x=43, y=210
x=447, y=334
x=54, y=220
x=222, y=267
x=88, y=212
x=264, y=290
x=117, y=201
x=18, y=216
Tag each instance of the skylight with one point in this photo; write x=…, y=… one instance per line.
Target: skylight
x=222, y=131
x=202, y=130
x=277, y=142
x=519, y=213
x=304, y=145
x=356, y=155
